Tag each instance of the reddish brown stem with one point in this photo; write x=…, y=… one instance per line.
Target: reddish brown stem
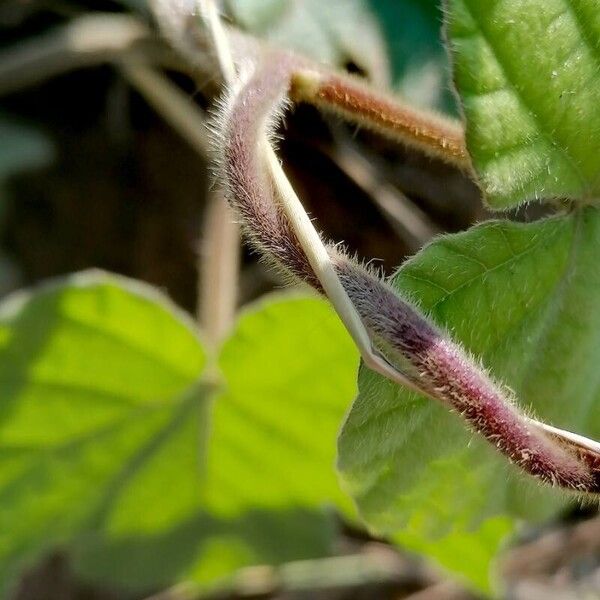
x=424, y=130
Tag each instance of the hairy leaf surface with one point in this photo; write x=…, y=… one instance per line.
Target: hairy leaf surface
x=528, y=75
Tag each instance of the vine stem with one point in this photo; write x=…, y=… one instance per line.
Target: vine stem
x=308, y=237
x=314, y=83
x=394, y=338
x=322, y=265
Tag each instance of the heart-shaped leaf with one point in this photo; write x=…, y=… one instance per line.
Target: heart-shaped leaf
x=99, y=395
x=267, y=490
x=290, y=374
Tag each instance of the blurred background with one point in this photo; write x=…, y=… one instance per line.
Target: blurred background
x=97, y=169
x=90, y=164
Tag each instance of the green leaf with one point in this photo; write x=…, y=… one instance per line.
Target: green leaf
x=103, y=426
x=524, y=299
x=528, y=75
x=269, y=485
x=336, y=32
x=290, y=372
x=99, y=415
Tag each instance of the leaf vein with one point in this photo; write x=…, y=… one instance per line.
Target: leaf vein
x=548, y=135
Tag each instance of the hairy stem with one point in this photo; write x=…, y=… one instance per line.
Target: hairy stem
x=271, y=210
x=314, y=251
x=446, y=372
x=401, y=343
x=433, y=134
x=428, y=359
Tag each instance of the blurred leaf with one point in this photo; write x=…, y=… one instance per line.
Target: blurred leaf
x=336, y=32
x=289, y=372
x=100, y=414
x=419, y=62
x=523, y=298
x=528, y=74
x=102, y=434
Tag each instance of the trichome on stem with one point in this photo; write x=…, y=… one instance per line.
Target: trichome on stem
x=394, y=337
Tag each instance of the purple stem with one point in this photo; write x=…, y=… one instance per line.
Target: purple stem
x=439, y=366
